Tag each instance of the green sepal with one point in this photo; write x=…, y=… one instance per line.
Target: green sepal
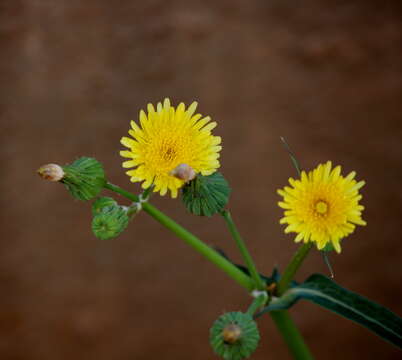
x=84, y=178
x=328, y=247
x=206, y=195
x=324, y=292
x=110, y=222
x=100, y=203
x=244, y=346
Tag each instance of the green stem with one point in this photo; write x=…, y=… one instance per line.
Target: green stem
x=235, y=273
x=258, y=302
x=259, y=283
x=293, y=266
x=291, y=335
x=284, y=323
x=119, y=190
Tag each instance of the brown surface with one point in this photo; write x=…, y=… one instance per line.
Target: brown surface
x=73, y=73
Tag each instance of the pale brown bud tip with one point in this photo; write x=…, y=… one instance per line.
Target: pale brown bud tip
x=231, y=333
x=183, y=172
x=51, y=172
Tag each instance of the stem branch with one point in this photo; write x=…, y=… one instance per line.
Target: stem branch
x=235, y=273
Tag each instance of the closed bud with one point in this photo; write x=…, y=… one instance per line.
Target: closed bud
x=234, y=336
x=183, y=172
x=51, y=172
x=206, y=195
x=100, y=203
x=110, y=222
x=84, y=178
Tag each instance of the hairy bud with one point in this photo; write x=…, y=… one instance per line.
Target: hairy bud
x=84, y=178
x=206, y=195
x=234, y=336
x=110, y=222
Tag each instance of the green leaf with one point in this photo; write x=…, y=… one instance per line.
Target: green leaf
x=324, y=292
x=295, y=162
x=206, y=195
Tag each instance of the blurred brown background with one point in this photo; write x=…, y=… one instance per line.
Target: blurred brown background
x=326, y=75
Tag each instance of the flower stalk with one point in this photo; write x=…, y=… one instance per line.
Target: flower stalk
x=282, y=320
x=236, y=274
x=258, y=302
x=258, y=282
x=293, y=266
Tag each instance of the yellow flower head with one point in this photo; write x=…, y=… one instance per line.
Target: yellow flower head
x=166, y=139
x=323, y=206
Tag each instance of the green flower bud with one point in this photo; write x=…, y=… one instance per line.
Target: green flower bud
x=206, y=195
x=234, y=336
x=110, y=222
x=84, y=178
x=100, y=203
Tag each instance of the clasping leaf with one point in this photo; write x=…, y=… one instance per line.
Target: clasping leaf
x=324, y=292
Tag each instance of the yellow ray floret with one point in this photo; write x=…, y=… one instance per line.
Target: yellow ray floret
x=165, y=138
x=322, y=206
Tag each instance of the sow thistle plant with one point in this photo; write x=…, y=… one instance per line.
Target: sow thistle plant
x=172, y=150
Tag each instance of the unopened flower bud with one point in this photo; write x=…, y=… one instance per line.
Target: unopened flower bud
x=231, y=333
x=84, y=178
x=51, y=172
x=234, y=336
x=100, y=203
x=206, y=195
x=110, y=222
x=183, y=172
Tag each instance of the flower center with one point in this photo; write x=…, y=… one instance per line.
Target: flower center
x=321, y=207
x=169, y=154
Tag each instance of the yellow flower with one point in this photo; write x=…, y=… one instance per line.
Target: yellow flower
x=166, y=139
x=323, y=206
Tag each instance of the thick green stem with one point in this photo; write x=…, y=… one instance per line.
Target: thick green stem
x=259, y=283
x=284, y=323
x=291, y=335
x=235, y=273
x=293, y=266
